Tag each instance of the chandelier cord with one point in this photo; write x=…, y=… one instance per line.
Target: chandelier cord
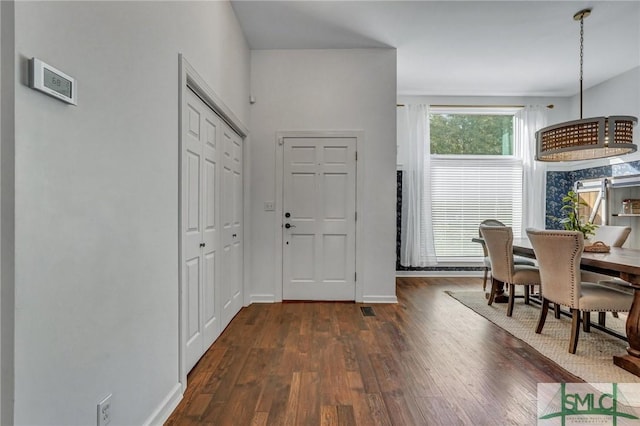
x=581, y=58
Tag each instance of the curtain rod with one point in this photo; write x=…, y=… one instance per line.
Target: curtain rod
x=550, y=106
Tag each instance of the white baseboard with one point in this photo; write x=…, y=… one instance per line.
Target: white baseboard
x=262, y=298
x=442, y=273
x=380, y=299
x=166, y=407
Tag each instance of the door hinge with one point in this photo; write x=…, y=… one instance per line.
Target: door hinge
x=356, y=216
x=355, y=276
x=356, y=155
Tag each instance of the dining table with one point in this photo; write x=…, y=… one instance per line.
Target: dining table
x=619, y=262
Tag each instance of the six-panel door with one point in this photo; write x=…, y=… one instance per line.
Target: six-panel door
x=319, y=195
x=211, y=226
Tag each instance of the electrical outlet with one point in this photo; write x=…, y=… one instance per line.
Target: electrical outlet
x=104, y=411
x=269, y=206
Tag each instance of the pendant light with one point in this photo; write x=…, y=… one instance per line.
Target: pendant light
x=589, y=138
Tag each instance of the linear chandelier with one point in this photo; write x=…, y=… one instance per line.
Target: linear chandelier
x=589, y=138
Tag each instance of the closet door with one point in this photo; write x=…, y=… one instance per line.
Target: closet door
x=200, y=227
x=232, y=210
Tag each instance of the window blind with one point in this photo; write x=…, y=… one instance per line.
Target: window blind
x=467, y=190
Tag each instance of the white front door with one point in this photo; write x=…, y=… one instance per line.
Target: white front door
x=200, y=219
x=231, y=223
x=319, y=209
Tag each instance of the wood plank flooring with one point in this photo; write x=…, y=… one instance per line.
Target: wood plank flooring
x=427, y=360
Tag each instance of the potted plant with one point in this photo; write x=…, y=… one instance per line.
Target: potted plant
x=572, y=221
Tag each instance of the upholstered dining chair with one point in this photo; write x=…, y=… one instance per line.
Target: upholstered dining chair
x=499, y=243
x=613, y=236
x=518, y=260
x=559, y=254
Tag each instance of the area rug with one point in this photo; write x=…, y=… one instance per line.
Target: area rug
x=593, y=360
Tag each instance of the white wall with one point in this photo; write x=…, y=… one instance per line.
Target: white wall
x=97, y=201
x=7, y=136
x=617, y=96
x=326, y=90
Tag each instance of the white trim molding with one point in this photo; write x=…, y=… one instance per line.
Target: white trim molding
x=262, y=298
x=166, y=407
x=440, y=273
x=380, y=299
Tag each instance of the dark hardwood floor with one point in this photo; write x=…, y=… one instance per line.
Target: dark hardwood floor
x=427, y=360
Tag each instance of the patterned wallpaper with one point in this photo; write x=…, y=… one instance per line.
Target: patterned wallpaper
x=558, y=183
x=398, y=218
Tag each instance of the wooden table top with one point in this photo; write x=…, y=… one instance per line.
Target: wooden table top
x=622, y=262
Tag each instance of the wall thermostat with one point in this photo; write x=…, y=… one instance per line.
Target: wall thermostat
x=52, y=81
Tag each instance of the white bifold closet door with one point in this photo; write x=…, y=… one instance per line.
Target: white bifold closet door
x=211, y=262
x=231, y=223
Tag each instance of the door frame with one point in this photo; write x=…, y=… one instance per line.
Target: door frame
x=279, y=214
x=190, y=79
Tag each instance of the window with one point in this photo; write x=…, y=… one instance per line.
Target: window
x=471, y=134
x=474, y=176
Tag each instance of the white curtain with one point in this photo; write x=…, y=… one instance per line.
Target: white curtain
x=528, y=121
x=417, y=247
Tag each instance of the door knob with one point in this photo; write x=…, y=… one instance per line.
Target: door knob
x=202, y=244
x=234, y=235
x=287, y=214
x=288, y=225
